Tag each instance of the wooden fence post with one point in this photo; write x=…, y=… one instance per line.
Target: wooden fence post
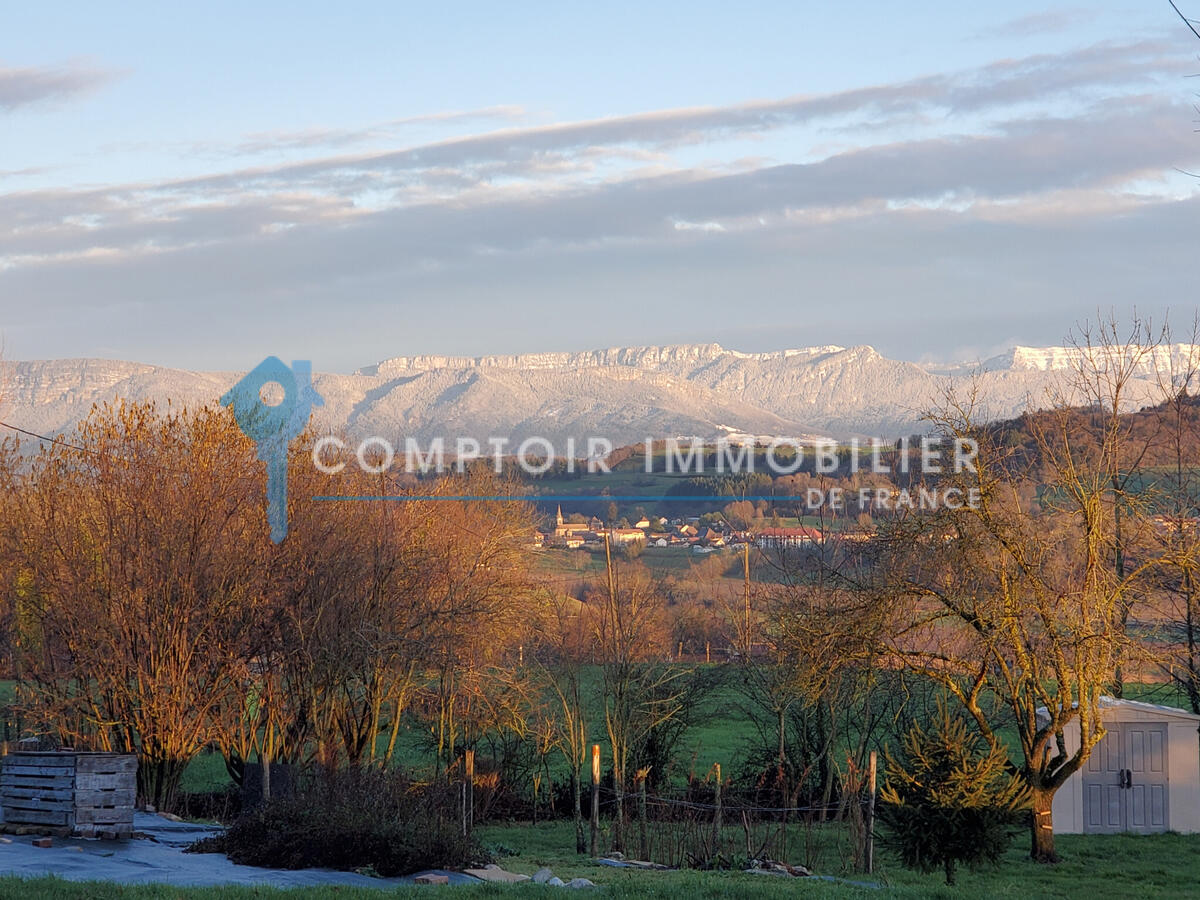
x=641, y=786
x=595, y=800
x=716, y=828
x=869, y=854
x=462, y=805
x=469, y=790
x=265, y=759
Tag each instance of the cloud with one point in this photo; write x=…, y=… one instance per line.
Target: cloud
x=264, y=142
x=1099, y=150
x=1037, y=23
x=1011, y=160
x=1099, y=70
x=39, y=84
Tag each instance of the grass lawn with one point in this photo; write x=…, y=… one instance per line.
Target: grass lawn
x=1096, y=867
x=1093, y=866
x=719, y=737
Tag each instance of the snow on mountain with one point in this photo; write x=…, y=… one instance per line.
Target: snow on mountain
x=624, y=394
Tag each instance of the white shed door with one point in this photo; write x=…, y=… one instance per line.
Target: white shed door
x=1125, y=780
x=1103, y=786
x=1145, y=758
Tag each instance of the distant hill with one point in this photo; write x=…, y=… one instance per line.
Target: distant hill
x=623, y=394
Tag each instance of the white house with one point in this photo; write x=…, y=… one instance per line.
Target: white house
x=1144, y=776
x=789, y=537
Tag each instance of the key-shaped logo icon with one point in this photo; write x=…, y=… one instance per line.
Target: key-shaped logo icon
x=273, y=427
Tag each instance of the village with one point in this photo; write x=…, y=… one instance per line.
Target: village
x=702, y=534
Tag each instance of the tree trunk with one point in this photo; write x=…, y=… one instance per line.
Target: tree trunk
x=580, y=837
x=1042, y=828
x=618, y=837
x=949, y=866
x=1118, y=685
x=781, y=763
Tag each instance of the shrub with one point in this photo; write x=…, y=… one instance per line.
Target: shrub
x=353, y=820
x=950, y=798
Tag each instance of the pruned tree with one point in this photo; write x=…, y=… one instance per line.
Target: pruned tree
x=1009, y=599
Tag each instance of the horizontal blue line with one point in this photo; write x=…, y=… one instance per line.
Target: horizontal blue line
x=583, y=498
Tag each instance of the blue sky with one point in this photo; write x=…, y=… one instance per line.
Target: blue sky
x=347, y=182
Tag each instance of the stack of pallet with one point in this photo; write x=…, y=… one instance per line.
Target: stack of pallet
x=68, y=792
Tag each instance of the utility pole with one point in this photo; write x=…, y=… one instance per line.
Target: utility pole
x=746, y=594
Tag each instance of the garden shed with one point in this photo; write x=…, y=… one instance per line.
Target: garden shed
x=1143, y=777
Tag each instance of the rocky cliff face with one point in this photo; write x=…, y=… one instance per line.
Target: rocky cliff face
x=624, y=394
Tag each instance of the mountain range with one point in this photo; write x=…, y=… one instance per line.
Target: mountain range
x=622, y=394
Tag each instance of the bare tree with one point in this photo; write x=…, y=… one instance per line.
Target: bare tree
x=639, y=691
x=1113, y=371
x=1175, y=494
x=1010, y=600
x=567, y=637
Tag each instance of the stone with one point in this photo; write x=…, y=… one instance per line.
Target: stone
x=580, y=883
x=432, y=879
x=542, y=875
x=497, y=875
x=44, y=843
x=556, y=882
x=771, y=867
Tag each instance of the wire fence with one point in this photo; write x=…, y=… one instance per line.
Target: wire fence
x=712, y=824
x=732, y=832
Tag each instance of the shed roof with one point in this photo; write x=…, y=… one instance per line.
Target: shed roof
x=1113, y=703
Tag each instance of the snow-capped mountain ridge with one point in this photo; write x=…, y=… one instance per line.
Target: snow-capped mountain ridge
x=623, y=394
x=648, y=357
x=1163, y=358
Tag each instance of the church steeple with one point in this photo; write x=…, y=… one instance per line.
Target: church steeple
x=560, y=518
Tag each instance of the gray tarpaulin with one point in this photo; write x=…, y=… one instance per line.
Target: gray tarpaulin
x=162, y=861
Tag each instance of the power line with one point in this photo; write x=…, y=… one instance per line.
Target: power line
x=1186, y=20
x=50, y=440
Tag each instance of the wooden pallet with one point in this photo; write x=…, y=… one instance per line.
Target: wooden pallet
x=87, y=794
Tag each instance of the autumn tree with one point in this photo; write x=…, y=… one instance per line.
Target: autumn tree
x=137, y=540
x=377, y=605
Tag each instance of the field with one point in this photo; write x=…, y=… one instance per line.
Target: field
x=1098, y=867
x=720, y=735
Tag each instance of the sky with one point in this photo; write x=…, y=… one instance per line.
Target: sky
x=201, y=186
